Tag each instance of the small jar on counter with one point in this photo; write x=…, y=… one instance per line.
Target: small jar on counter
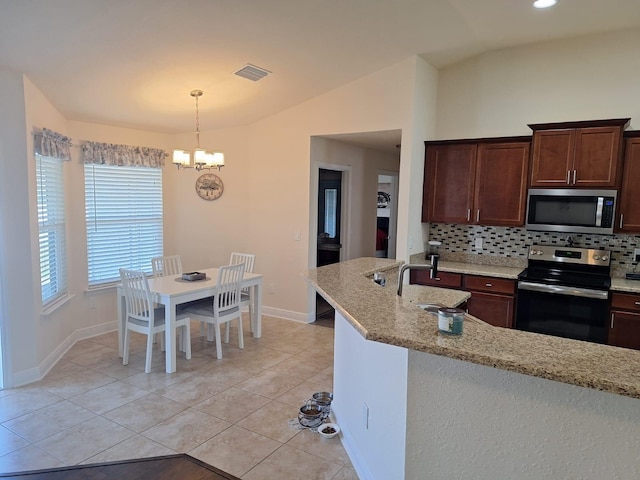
x=450, y=320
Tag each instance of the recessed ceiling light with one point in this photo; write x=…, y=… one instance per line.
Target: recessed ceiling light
x=544, y=3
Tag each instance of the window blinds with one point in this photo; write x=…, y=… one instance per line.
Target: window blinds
x=51, y=226
x=124, y=219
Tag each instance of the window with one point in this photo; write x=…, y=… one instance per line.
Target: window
x=330, y=213
x=124, y=219
x=51, y=228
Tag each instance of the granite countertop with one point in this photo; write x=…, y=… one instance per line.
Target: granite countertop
x=477, y=269
x=379, y=314
x=624, y=285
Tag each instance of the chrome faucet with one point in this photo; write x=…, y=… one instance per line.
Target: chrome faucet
x=417, y=266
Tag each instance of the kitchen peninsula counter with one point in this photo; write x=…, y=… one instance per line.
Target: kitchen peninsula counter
x=379, y=314
x=491, y=403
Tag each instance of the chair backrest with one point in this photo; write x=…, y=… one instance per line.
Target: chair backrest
x=169, y=265
x=137, y=294
x=228, y=288
x=247, y=258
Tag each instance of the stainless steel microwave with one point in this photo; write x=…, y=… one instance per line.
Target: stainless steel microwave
x=571, y=210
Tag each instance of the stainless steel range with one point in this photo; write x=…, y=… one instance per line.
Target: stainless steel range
x=565, y=292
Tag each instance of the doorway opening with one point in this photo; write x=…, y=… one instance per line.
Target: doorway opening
x=328, y=245
x=329, y=216
x=387, y=215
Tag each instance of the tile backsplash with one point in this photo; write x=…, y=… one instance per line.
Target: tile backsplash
x=514, y=242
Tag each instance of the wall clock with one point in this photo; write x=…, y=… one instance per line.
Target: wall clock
x=209, y=186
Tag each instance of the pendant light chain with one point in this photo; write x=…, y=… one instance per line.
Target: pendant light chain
x=197, y=94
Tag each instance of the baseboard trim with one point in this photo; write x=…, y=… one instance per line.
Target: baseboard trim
x=352, y=452
x=286, y=314
x=35, y=374
x=38, y=373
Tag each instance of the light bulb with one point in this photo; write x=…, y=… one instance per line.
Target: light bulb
x=544, y=3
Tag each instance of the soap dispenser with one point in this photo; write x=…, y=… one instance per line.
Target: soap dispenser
x=433, y=255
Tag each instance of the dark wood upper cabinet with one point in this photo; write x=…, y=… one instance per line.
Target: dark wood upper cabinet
x=577, y=154
x=476, y=182
x=501, y=183
x=629, y=195
x=448, y=183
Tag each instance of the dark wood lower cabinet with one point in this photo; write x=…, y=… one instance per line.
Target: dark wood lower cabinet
x=442, y=279
x=624, y=326
x=496, y=310
x=624, y=330
x=492, y=299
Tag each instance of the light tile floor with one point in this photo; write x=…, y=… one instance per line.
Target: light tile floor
x=231, y=413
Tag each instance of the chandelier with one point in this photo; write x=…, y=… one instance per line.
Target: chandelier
x=202, y=159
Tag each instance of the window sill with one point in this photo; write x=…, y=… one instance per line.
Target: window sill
x=101, y=287
x=51, y=307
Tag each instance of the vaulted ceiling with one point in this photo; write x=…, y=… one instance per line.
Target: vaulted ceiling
x=133, y=62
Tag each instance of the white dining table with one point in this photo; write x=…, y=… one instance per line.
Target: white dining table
x=172, y=290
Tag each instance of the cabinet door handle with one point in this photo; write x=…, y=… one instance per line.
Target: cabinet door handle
x=568, y=177
x=637, y=303
x=468, y=214
x=574, y=177
x=478, y=215
x=488, y=284
x=621, y=218
x=612, y=320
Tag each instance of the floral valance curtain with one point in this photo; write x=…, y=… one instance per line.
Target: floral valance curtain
x=122, y=155
x=51, y=144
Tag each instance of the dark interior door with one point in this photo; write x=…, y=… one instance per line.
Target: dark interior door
x=329, y=208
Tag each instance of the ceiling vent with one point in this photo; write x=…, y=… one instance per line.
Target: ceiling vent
x=252, y=72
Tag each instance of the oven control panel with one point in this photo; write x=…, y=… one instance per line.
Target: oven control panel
x=585, y=256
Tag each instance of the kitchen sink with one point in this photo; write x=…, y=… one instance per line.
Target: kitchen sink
x=430, y=307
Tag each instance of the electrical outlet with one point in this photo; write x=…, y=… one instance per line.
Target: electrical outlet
x=272, y=288
x=636, y=254
x=92, y=302
x=478, y=243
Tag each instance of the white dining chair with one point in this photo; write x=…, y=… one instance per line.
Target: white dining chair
x=142, y=316
x=224, y=307
x=167, y=265
x=245, y=295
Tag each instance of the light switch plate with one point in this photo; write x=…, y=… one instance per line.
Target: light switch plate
x=478, y=243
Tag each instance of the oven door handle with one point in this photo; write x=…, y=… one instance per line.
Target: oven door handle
x=561, y=290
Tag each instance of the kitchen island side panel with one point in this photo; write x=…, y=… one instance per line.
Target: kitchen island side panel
x=369, y=402
x=470, y=421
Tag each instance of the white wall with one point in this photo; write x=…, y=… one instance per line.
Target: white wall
x=499, y=93
x=279, y=173
x=470, y=421
x=412, y=235
x=372, y=376
x=205, y=232
x=18, y=315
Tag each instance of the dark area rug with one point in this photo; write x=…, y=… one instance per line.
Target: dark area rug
x=171, y=467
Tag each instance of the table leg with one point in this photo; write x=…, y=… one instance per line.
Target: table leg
x=122, y=308
x=170, y=335
x=257, y=310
